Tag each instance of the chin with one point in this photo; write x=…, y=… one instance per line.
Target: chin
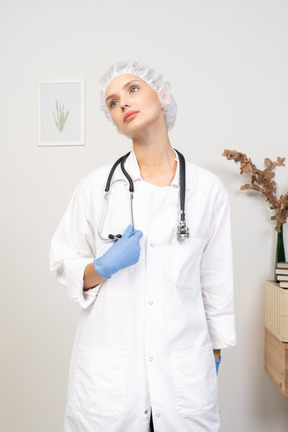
x=137, y=127
x=131, y=130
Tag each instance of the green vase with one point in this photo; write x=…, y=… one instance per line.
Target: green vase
x=280, y=251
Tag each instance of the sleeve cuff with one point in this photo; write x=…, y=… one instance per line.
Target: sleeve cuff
x=74, y=272
x=88, y=297
x=222, y=332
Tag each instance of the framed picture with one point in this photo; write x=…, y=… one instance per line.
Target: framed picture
x=60, y=113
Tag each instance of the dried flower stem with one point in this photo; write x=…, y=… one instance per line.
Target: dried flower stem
x=262, y=181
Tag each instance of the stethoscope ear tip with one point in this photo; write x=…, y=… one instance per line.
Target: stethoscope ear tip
x=114, y=237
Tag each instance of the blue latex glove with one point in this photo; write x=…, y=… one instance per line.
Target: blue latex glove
x=217, y=362
x=124, y=253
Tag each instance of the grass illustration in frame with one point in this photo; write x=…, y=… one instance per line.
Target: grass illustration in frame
x=60, y=113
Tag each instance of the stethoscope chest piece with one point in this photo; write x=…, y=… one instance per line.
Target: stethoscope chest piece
x=182, y=231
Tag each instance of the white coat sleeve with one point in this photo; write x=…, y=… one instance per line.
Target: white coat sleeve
x=217, y=277
x=73, y=247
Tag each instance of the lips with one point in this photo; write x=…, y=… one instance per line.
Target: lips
x=130, y=115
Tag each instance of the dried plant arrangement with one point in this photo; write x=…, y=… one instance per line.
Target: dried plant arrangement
x=263, y=182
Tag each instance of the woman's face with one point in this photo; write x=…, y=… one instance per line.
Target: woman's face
x=133, y=105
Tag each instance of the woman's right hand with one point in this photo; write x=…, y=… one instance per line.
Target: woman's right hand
x=123, y=253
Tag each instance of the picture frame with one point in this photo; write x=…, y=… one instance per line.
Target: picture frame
x=60, y=112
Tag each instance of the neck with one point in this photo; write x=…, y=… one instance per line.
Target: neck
x=156, y=158
x=154, y=150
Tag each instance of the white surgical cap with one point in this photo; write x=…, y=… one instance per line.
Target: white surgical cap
x=147, y=74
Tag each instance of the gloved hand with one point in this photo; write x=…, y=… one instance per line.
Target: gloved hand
x=217, y=362
x=124, y=253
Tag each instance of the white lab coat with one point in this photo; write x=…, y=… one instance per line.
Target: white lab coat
x=146, y=336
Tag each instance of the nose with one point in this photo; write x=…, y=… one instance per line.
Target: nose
x=123, y=105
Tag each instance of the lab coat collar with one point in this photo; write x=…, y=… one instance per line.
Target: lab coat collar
x=133, y=170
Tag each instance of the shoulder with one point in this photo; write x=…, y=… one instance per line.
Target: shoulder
x=96, y=178
x=204, y=181
x=98, y=173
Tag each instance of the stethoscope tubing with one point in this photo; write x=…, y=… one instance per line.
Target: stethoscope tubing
x=121, y=161
x=183, y=231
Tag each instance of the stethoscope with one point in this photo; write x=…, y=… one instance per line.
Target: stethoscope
x=182, y=230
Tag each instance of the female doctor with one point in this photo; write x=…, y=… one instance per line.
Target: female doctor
x=156, y=308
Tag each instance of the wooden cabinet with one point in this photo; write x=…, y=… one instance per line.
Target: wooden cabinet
x=276, y=335
x=276, y=316
x=276, y=361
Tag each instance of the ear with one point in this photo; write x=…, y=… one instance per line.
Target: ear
x=165, y=97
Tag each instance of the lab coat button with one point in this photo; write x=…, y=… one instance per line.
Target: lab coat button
x=152, y=244
x=151, y=359
x=150, y=303
x=146, y=412
x=158, y=414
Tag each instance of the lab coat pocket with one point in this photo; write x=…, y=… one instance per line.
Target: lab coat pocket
x=100, y=381
x=187, y=261
x=196, y=387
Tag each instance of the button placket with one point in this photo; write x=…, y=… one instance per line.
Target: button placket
x=151, y=293
x=150, y=302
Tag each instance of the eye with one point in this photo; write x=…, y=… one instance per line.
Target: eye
x=113, y=104
x=134, y=89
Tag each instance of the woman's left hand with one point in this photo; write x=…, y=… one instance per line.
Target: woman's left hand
x=217, y=363
x=217, y=354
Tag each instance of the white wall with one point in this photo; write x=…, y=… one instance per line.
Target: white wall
x=228, y=65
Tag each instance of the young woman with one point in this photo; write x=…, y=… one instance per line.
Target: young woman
x=157, y=302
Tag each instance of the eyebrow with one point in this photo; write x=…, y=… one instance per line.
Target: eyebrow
x=125, y=85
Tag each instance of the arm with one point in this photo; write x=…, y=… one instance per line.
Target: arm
x=91, y=277
x=217, y=354
x=217, y=276
x=73, y=248
x=123, y=253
